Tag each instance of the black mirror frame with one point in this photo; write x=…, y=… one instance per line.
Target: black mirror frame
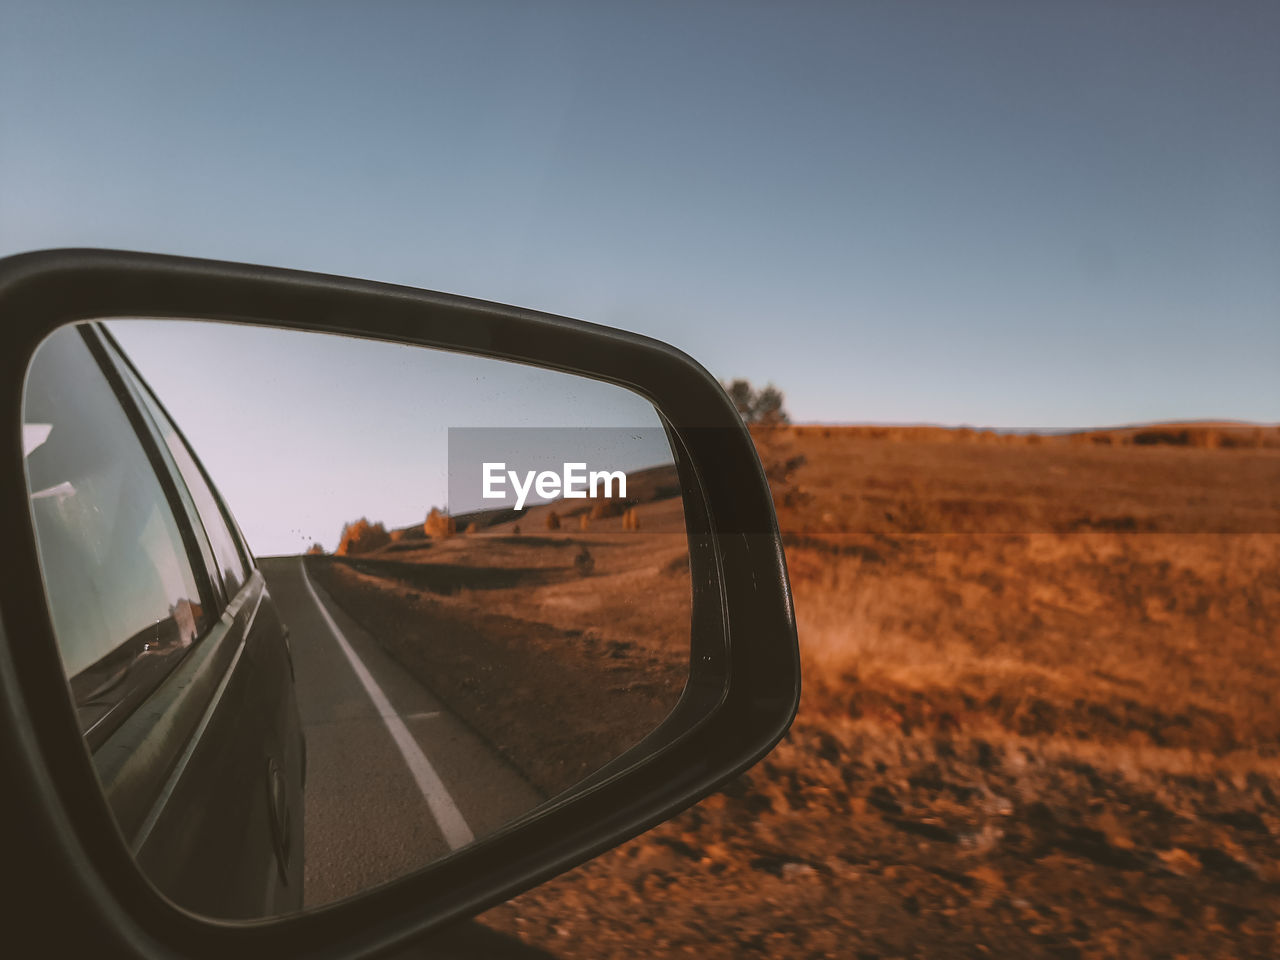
x=60, y=840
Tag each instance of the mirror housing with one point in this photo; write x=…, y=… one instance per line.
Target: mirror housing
x=741, y=696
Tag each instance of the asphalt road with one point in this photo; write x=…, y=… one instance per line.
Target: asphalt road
x=394, y=780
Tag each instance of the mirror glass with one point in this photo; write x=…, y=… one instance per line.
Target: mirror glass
x=331, y=609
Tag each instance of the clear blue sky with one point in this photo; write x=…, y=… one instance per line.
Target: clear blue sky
x=1006, y=214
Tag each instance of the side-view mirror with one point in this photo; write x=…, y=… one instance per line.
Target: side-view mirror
x=335, y=611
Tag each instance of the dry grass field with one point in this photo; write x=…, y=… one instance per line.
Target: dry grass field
x=1039, y=715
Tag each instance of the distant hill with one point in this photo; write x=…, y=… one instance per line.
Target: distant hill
x=1203, y=434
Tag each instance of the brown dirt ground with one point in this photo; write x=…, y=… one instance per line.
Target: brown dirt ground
x=1039, y=716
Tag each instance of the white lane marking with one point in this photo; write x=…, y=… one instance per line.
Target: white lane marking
x=447, y=815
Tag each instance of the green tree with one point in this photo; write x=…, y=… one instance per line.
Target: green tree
x=764, y=406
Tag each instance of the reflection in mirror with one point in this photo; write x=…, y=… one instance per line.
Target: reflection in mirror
x=451, y=589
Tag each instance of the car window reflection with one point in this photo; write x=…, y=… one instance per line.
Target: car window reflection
x=122, y=591
x=230, y=563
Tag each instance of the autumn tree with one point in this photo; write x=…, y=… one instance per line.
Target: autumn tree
x=439, y=524
x=362, y=537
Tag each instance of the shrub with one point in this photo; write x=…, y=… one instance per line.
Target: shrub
x=1177, y=438
x=362, y=537
x=315, y=550
x=439, y=524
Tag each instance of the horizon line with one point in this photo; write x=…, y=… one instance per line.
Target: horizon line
x=1205, y=422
